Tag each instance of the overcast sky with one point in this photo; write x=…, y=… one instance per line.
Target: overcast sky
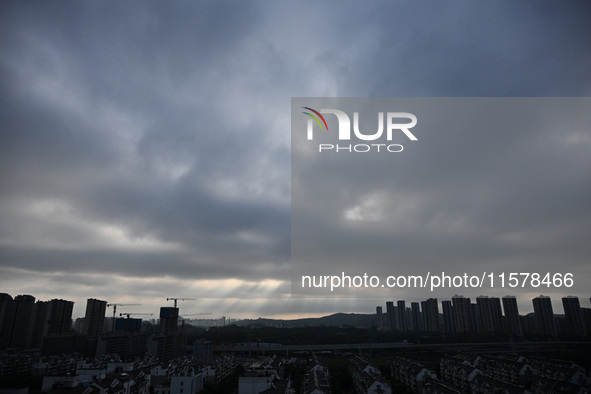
x=145, y=147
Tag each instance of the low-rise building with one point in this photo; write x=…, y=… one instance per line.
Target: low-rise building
x=317, y=380
x=410, y=373
x=367, y=378
x=458, y=373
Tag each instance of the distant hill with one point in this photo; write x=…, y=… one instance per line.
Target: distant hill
x=337, y=320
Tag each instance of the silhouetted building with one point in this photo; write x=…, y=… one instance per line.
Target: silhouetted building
x=545, y=316
x=512, y=320
x=529, y=324
x=574, y=318
x=94, y=319
x=5, y=301
x=489, y=314
x=166, y=347
x=463, y=314
x=49, y=318
x=38, y=325
x=127, y=324
x=497, y=314
x=16, y=321
x=401, y=309
x=475, y=319
x=586, y=313
x=171, y=342
x=169, y=317
x=5, y=322
x=203, y=351
x=448, y=317
x=431, y=315
x=380, y=318
x=424, y=313
x=125, y=346
x=390, y=311
x=59, y=317
x=485, y=314
x=416, y=320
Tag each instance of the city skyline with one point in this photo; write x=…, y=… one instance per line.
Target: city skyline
x=94, y=306
x=145, y=149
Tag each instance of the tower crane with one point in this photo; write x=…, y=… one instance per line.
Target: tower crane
x=179, y=299
x=135, y=314
x=115, y=310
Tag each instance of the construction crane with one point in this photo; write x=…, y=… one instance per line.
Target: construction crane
x=135, y=314
x=115, y=310
x=179, y=299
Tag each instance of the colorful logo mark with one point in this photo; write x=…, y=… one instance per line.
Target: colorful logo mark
x=315, y=118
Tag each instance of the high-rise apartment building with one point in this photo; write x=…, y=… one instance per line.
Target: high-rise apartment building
x=49, y=318
x=431, y=315
x=512, y=319
x=484, y=307
x=416, y=318
x=449, y=324
x=390, y=312
x=94, y=319
x=169, y=317
x=497, y=314
x=59, y=320
x=17, y=321
x=401, y=313
x=545, y=316
x=5, y=323
x=574, y=316
x=463, y=314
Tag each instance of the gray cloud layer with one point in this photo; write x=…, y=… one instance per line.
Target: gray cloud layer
x=148, y=141
x=492, y=185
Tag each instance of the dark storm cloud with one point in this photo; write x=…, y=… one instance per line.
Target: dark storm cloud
x=468, y=49
x=150, y=140
x=123, y=123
